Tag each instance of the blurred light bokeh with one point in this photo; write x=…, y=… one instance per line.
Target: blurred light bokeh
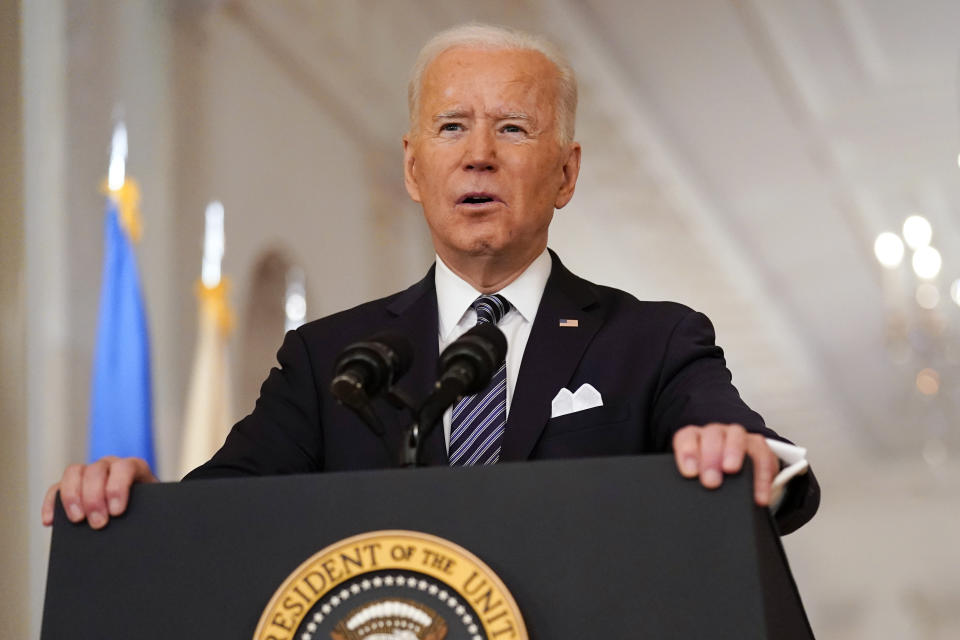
x=758, y=161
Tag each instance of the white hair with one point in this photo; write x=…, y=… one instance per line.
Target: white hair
x=484, y=36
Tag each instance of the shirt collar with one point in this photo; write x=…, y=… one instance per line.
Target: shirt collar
x=455, y=295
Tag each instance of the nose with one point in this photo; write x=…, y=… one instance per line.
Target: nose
x=480, y=153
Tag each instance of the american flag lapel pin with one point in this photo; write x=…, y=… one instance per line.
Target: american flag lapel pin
x=569, y=322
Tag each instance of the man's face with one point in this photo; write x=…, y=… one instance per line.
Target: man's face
x=484, y=158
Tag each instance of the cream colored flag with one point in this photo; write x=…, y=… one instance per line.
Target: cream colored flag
x=208, y=416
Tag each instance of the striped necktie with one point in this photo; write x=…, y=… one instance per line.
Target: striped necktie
x=476, y=426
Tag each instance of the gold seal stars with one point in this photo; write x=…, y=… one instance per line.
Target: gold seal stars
x=392, y=584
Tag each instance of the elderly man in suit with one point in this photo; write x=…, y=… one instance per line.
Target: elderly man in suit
x=490, y=155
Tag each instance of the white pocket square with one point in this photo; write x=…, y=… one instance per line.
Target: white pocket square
x=566, y=402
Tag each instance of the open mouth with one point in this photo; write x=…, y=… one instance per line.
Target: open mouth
x=477, y=198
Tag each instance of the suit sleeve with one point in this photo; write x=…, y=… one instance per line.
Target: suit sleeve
x=696, y=388
x=282, y=435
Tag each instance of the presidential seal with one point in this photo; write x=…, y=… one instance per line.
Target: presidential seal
x=392, y=585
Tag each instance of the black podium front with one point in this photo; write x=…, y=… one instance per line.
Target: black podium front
x=596, y=548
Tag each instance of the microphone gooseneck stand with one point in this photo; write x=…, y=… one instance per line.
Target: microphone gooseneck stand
x=367, y=369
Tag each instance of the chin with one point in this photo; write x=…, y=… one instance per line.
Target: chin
x=482, y=248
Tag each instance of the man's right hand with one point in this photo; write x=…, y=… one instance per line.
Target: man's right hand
x=96, y=491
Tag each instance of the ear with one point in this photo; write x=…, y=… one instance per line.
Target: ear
x=409, y=161
x=571, y=170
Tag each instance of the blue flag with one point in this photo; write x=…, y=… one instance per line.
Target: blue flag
x=121, y=407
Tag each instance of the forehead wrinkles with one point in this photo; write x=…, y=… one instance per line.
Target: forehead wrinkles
x=495, y=81
x=517, y=94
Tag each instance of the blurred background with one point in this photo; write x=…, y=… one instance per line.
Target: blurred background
x=740, y=156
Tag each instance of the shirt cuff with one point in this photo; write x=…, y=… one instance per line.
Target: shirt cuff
x=794, y=460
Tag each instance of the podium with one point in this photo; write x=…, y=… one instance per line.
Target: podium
x=595, y=548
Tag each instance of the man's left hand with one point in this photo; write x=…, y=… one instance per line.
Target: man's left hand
x=717, y=449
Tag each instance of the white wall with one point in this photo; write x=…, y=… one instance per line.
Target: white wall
x=291, y=114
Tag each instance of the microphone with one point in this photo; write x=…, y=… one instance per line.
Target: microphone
x=364, y=369
x=465, y=367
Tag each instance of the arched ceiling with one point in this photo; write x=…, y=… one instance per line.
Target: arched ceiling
x=740, y=156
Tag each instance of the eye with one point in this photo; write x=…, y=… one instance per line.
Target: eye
x=512, y=128
x=451, y=126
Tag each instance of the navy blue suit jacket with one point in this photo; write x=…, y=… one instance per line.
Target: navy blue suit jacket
x=655, y=364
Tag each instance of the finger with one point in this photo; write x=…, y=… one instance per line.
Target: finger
x=71, y=485
x=49, y=502
x=123, y=473
x=765, y=467
x=734, y=448
x=94, y=499
x=686, y=451
x=711, y=455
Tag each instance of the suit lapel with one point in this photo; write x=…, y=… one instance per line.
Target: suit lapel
x=550, y=357
x=415, y=312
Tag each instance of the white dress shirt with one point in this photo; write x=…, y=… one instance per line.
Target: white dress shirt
x=454, y=297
